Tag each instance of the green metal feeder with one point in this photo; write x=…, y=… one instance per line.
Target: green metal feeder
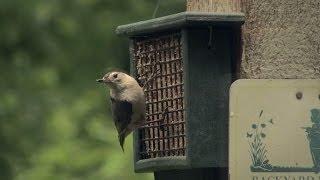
x=186, y=63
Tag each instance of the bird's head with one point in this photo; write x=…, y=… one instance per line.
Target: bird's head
x=115, y=80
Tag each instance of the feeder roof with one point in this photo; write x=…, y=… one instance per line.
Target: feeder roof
x=177, y=21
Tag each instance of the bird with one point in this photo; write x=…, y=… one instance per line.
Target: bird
x=127, y=103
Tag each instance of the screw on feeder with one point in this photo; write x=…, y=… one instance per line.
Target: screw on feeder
x=299, y=95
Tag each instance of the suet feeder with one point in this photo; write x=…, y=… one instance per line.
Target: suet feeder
x=186, y=63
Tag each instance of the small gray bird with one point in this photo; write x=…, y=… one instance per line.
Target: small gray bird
x=127, y=101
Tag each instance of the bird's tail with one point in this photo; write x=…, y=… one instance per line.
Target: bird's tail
x=121, y=140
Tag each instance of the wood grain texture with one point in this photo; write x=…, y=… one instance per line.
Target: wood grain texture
x=214, y=5
x=281, y=39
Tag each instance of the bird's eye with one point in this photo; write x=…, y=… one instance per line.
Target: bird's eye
x=115, y=75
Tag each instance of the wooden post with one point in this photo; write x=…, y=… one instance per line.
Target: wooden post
x=218, y=6
x=281, y=39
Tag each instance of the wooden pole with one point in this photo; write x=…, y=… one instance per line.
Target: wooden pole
x=281, y=39
x=219, y=6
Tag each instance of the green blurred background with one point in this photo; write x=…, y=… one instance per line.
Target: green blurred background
x=55, y=122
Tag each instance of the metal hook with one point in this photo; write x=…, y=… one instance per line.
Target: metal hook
x=211, y=38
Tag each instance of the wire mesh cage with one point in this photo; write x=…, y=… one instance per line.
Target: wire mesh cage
x=159, y=69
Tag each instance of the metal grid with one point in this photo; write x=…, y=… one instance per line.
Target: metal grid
x=159, y=68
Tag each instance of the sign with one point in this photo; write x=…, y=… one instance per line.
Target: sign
x=274, y=130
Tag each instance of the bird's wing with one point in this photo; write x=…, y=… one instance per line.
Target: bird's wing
x=122, y=112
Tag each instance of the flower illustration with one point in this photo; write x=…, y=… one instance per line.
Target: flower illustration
x=258, y=149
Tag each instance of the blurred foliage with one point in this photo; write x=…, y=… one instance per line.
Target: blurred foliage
x=55, y=121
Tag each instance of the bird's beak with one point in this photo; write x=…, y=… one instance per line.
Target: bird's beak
x=104, y=80
x=99, y=80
